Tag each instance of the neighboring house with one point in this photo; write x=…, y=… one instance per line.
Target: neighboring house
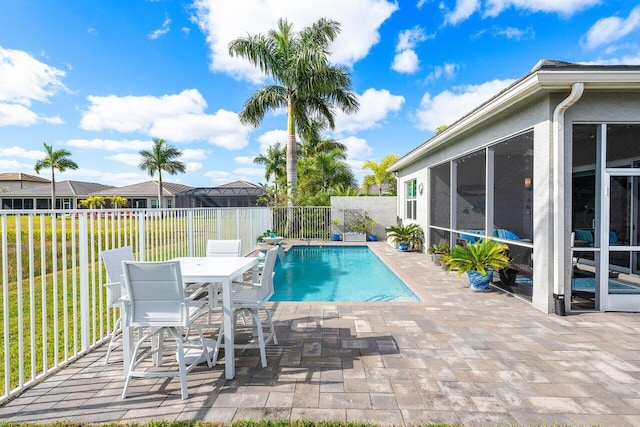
x=145, y=194
x=550, y=166
x=12, y=181
x=68, y=194
x=234, y=194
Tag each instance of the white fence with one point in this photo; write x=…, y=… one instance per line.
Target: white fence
x=53, y=306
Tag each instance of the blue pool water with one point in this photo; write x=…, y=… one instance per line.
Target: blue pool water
x=337, y=273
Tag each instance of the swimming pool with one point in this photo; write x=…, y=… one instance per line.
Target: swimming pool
x=337, y=273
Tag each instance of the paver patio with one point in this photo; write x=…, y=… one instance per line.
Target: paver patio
x=456, y=356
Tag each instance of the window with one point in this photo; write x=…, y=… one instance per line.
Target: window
x=410, y=196
x=169, y=203
x=154, y=203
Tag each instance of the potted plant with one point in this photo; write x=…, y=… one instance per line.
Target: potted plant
x=437, y=251
x=336, y=236
x=407, y=237
x=478, y=260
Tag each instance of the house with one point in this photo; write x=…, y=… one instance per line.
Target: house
x=233, y=194
x=145, y=194
x=11, y=181
x=68, y=194
x=551, y=167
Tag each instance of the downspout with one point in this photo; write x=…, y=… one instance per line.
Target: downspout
x=577, y=90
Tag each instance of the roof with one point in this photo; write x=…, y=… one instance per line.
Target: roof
x=546, y=76
x=144, y=189
x=236, y=188
x=63, y=189
x=24, y=177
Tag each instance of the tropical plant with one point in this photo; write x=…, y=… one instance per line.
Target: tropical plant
x=161, y=157
x=381, y=174
x=313, y=142
x=439, y=248
x=360, y=222
x=92, y=202
x=412, y=234
x=478, y=256
x=56, y=160
x=303, y=81
x=117, y=201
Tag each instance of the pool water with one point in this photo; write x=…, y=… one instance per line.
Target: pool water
x=337, y=273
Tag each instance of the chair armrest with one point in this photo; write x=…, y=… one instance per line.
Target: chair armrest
x=111, y=284
x=195, y=294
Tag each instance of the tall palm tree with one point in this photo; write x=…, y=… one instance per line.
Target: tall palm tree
x=275, y=165
x=380, y=173
x=161, y=157
x=303, y=81
x=55, y=159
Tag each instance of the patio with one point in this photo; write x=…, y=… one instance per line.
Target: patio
x=456, y=357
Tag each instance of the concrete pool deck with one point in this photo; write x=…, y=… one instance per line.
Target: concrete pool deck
x=456, y=357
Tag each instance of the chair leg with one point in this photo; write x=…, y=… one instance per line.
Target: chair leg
x=134, y=358
x=114, y=334
x=181, y=366
x=263, y=351
x=271, y=327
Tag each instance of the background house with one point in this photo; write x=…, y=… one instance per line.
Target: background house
x=233, y=194
x=11, y=181
x=145, y=194
x=68, y=194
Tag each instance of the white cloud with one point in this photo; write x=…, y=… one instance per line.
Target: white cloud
x=20, y=152
x=194, y=154
x=193, y=166
x=405, y=62
x=24, y=80
x=269, y=138
x=241, y=174
x=177, y=118
x=117, y=179
x=610, y=29
x=375, y=106
x=357, y=148
x=463, y=10
x=409, y=38
x=110, y=144
x=225, y=20
x=244, y=160
x=14, y=165
x=445, y=70
x=164, y=29
x=130, y=159
x=449, y=106
x=513, y=33
x=562, y=7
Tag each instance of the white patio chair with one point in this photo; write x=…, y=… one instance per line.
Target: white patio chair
x=156, y=299
x=217, y=248
x=115, y=288
x=251, y=298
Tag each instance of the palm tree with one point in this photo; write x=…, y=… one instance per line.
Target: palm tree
x=380, y=173
x=55, y=159
x=275, y=164
x=304, y=81
x=162, y=157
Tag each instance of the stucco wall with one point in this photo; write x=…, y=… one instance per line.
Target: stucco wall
x=381, y=209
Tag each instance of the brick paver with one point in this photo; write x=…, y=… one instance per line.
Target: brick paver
x=456, y=356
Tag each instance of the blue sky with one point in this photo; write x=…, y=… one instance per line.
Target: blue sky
x=103, y=78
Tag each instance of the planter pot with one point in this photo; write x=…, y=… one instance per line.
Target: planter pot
x=403, y=246
x=335, y=237
x=372, y=237
x=479, y=282
x=508, y=276
x=436, y=258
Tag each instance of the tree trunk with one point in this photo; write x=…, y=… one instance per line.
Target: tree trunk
x=53, y=188
x=292, y=158
x=159, y=189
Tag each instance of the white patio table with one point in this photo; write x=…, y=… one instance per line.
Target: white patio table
x=211, y=270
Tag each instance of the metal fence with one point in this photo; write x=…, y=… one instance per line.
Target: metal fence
x=53, y=305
